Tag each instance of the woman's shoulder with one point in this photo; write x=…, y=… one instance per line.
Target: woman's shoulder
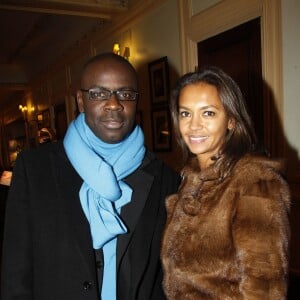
x=256, y=166
x=260, y=175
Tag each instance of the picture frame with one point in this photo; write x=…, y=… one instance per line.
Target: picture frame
x=161, y=130
x=159, y=80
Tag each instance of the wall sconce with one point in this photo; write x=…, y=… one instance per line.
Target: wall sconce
x=22, y=108
x=25, y=108
x=126, y=54
x=116, y=48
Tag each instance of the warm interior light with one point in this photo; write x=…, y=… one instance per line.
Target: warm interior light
x=126, y=54
x=23, y=108
x=116, y=48
x=40, y=117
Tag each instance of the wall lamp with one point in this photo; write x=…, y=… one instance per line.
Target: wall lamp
x=117, y=50
x=25, y=108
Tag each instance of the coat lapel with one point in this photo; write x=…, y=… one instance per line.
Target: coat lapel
x=69, y=184
x=141, y=183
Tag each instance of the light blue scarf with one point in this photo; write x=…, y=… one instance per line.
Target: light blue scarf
x=102, y=167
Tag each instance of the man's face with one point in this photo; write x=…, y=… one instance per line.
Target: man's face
x=111, y=120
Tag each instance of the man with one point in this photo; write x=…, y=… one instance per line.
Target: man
x=84, y=217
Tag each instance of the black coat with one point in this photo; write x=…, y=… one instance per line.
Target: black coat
x=48, y=253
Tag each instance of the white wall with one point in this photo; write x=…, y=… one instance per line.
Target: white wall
x=291, y=71
x=155, y=36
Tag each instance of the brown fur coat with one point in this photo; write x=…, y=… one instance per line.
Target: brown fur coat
x=229, y=239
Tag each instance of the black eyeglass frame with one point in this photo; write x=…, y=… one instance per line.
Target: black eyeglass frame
x=111, y=92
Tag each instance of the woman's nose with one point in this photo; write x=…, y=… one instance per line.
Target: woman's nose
x=196, y=123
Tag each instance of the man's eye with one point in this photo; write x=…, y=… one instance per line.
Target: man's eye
x=129, y=95
x=98, y=95
x=125, y=94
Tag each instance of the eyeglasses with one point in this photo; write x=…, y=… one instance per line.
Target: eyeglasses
x=100, y=94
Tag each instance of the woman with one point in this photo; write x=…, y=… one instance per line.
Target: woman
x=227, y=232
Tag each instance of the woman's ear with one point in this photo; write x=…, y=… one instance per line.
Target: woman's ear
x=231, y=124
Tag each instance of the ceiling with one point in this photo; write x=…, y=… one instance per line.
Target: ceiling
x=34, y=33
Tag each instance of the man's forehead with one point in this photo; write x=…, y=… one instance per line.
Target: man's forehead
x=108, y=70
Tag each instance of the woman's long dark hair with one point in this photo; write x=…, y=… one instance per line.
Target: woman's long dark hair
x=241, y=139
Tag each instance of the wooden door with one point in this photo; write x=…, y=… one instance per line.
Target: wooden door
x=238, y=53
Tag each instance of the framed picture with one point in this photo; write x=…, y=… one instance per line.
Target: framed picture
x=161, y=130
x=159, y=80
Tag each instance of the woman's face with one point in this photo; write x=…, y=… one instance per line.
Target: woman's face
x=203, y=122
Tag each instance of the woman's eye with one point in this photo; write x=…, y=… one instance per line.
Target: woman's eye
x=183, y=114
x=209, y=113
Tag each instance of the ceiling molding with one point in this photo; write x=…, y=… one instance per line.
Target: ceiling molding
x=37, y=33
x=14, y=86
x=99, y=9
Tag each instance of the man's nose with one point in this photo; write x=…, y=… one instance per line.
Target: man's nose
x=113, y=103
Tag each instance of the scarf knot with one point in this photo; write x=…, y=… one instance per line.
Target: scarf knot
x=102, y=167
